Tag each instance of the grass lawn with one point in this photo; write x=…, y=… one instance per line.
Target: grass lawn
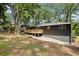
x=21, y=46
x=28, y=46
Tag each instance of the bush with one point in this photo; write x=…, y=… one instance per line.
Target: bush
x=77, y=39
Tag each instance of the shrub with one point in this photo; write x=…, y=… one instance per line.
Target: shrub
x=77, y=39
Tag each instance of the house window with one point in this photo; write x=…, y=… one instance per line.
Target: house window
x=61, y=27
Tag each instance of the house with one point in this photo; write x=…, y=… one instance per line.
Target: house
x=59, y=31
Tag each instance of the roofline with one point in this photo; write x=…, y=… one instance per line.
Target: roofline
x=52, y=24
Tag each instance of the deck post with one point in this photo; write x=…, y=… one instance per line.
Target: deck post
x=70, y=40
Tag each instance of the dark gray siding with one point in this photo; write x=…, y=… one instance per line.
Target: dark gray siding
x=57, y=33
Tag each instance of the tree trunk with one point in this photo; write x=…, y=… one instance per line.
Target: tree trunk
x=15, y=16
x=17, y=22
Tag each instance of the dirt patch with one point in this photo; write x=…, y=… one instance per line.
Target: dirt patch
x=26, y=45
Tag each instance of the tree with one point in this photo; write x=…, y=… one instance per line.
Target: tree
x=3, y=17
x=14, y=10
x=3, y=8
x=62, y=12
x=22, y=12
x=53, y=11
x=70, y=9
x=75, y=29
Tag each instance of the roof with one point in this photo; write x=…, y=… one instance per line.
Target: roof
x=50, y=24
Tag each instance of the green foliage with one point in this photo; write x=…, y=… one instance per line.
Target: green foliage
x=27, y=10
x=6, y=25
x=70, y=9
x=75, y=29
x=77, y=39
x=3, y=8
